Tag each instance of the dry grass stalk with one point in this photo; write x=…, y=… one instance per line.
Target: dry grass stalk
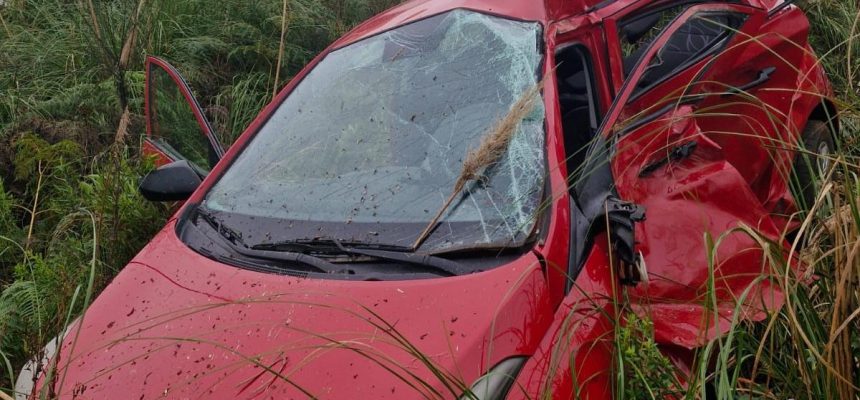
x=285, y=23
x=32, y=211
x=5, y=27
x=852, y=36
x=844, y=303
x=94, y=19
x=492, y=147
x=122, y=129
x=833, y=248
x=131, y=37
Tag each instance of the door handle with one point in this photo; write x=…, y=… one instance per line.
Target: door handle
x=763, y=76
x=678, y=153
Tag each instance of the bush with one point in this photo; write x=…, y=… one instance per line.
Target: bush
x=70, y=213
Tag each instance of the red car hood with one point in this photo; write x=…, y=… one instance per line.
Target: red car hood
x=174, y=324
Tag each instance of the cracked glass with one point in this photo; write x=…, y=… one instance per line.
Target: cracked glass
x=377, y=132
x=701, y=35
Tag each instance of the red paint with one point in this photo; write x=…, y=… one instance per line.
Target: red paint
x=177, y=324
x=194, y=319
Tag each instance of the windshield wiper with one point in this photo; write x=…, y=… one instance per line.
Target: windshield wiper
x=384, y=252
x=327, y=245
x=234, y=241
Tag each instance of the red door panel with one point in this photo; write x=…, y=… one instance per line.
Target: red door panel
x=760, y=71
x=176, y=128
x=692, y=188
x=690, y=191
x=660, y=158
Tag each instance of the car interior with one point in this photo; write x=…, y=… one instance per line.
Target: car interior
x=692, y=40
x=577, y=102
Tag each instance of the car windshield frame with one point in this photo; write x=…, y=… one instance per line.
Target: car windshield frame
x=266, y=227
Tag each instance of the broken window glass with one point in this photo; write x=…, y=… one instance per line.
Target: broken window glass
x=378, y=130
x=702, y=34
x=637, y=33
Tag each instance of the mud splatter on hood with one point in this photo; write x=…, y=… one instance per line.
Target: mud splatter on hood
x=177, y=325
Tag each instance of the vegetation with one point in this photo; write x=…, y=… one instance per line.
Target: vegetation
x=71, y=85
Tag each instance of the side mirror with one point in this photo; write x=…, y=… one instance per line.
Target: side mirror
x=172, y=182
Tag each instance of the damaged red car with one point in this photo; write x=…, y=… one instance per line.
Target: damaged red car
x=447, y=202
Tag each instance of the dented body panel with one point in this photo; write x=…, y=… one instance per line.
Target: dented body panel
x=705, y=152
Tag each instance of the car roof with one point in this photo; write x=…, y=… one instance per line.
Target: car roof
x=541, y=11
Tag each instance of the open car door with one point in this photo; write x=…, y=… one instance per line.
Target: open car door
x=176, y=128
x=667, y=189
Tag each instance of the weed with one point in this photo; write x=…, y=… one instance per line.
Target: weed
x=646, y=372
x=70, y=74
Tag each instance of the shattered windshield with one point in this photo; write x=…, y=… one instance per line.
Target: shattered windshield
x=375, y=136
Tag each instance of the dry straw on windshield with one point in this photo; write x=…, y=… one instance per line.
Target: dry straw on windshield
x=493, y=146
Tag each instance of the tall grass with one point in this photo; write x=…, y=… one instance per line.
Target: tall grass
x=71, y=84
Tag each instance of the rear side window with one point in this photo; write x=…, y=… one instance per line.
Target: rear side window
x=637, y=33
x=702, y=34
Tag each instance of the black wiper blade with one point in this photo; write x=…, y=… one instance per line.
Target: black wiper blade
x=402, y=254
x=233, y=240
x=325, y=245
x=425, y=260
x=316, y=262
